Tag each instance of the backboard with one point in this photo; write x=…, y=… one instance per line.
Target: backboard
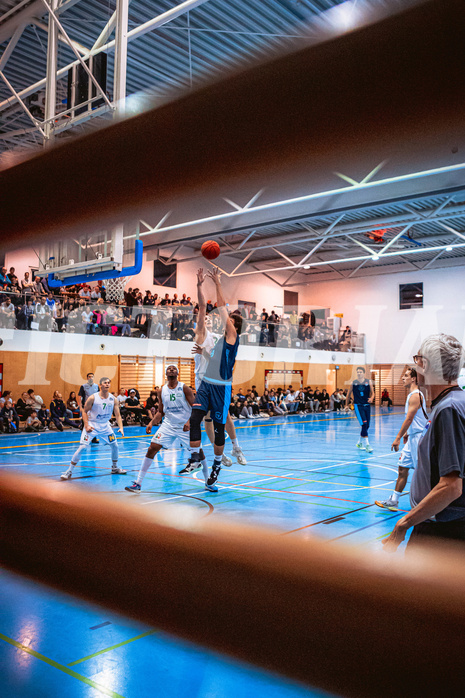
x=101, y=255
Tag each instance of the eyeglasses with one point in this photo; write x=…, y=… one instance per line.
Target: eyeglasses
x=418, y=359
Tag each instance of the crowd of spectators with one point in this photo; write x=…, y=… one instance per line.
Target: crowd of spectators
x=30, y=413
x=281, y=402
x=30, y=304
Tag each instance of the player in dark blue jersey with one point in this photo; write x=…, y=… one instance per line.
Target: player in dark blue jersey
x=214, y=392
x=362, y=393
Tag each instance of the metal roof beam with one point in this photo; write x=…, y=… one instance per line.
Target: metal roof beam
x=79, y=47
x=396, y=190
x=355, y=228
x=135, y=33
x=264, y=107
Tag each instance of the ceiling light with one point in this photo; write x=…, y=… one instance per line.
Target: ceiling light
x=418, y=295
x=306, y=266
x=449, y=248
x=375, y=257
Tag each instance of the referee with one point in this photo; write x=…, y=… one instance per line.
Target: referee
x=85, y=391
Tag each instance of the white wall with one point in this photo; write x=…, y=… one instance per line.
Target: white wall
x=371, y=305
x=255, y=288
x=80, y=344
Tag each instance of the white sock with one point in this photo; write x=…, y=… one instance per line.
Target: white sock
x=235, y=442
x=114, y=464
x=395, y=496
x=71, y=466
x=365, y=440
x=195, y=449
x=146, y=463
x=205, y=468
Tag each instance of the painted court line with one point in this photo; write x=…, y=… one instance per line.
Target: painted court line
x=61, y=667
x=113, y=647
x=244, y=426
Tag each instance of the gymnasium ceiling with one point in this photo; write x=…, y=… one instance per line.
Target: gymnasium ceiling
x=376, y=218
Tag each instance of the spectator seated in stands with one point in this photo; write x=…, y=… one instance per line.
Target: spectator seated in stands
x=60, y=317
x=34, y=401
x=291, y=402
x=304, y=329
x=23, y=407
x=276, y=405
x=88, y=320
x=151, y=404
x=133, y=407
x=72, y=405
x=385, y=399
x=9, y=417
x=27, y=284
x=40, y=286
x=12, y=276
x=40, y=314
x=51, y=303
x=44, y=417
x=345, y=340
x=60, y=415
x=267, y=406
x=7, y=314
x=96, y=294
x=312, y=403
x=25, y=315
x=33, y=423
x=84, y=293
x=335, y=401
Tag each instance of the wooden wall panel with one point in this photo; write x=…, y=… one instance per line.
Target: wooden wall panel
x=49, y=372
x=248, y=373
x=65, y=372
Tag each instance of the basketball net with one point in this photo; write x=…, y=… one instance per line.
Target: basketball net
x=114, y=289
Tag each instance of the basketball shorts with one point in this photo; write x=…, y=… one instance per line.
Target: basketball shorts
x=214, y=398
x=107, y=435
x=409, y=455
x=168, y=437
x=363, y=413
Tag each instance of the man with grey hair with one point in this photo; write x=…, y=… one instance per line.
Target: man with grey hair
x=437, y=493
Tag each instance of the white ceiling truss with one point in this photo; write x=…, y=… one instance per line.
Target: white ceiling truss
x=410, y=222
x=405, y=223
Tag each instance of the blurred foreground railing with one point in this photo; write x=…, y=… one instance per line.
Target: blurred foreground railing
x=348, y=621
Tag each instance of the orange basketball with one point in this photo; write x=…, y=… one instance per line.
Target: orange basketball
x=210, y=249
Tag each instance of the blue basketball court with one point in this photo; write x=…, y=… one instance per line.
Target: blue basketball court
x=304, y=477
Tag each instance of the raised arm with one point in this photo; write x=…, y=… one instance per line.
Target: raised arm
x=229, y=328
x=200, y=329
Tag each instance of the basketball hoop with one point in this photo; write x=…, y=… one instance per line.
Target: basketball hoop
x=114, y=289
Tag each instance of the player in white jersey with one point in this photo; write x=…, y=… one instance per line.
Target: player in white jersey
x=96, y=415
x=205, y=342
x=175, y=401
x=412, y=429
